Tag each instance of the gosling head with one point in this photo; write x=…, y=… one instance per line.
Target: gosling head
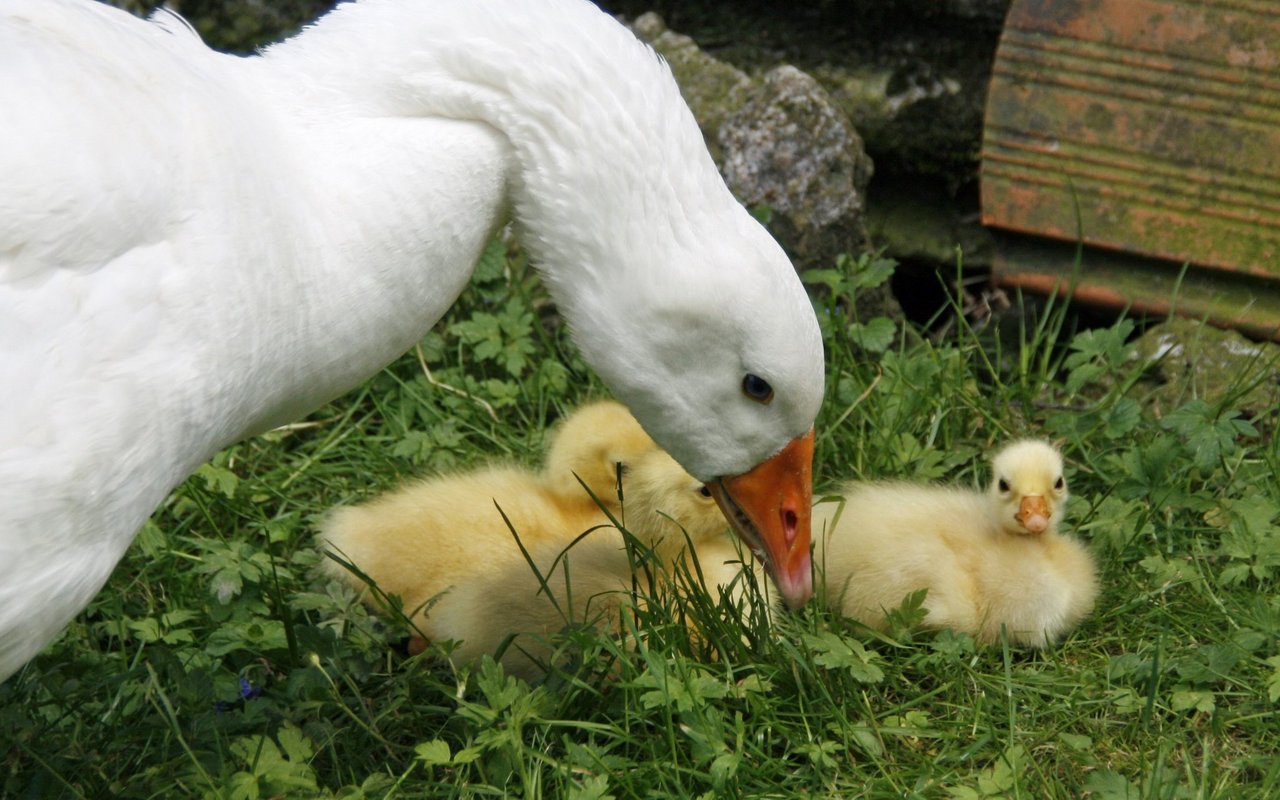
x=1028, y=489
x=663, y=503
x=589, y=445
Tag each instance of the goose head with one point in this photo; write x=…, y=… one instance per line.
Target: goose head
x=1028, y=490
x=715, y=348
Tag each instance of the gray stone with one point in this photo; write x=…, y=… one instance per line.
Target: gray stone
x=782, y=145
x=712, y=88
x=917, y=117
x=1195, y=361
x=911, y=75
x=789, y=149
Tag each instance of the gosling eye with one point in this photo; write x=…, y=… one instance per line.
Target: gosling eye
x=1003, y=485
x=1059, y=484
x=757, y=389
x=704, y=491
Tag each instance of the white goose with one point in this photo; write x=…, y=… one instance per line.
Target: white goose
x=196, y=247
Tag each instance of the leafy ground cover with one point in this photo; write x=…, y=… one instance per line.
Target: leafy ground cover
x=216, y=663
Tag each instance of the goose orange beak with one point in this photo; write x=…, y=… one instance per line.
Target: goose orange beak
x=1033, y=513
x=769, y=508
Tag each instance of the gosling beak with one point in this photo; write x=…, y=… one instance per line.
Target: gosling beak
x=1033, y=513
x=769, y=508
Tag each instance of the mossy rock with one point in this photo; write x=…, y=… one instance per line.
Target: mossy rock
x=1195, y=361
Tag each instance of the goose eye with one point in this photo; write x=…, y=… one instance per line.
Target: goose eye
x=1004, y=485
x=1059, y=484
x=704, y=491
x=757, y=388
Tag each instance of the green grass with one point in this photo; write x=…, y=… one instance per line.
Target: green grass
x=217, y=664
